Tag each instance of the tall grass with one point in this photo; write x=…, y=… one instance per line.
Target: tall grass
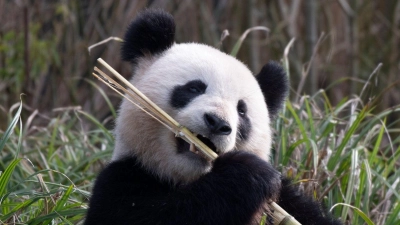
x=341, y=154
x=47, y=171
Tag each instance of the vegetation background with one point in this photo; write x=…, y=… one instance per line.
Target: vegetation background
x=342, y=116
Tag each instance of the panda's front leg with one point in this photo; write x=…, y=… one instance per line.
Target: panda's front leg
x=232, y=193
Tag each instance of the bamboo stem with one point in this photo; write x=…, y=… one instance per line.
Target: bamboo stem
x=281, y=217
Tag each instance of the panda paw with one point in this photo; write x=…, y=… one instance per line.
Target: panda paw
x=250, y=173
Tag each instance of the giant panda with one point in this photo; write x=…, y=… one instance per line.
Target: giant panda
x=153, y=178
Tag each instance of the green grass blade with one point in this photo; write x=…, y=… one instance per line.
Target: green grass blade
x=392, y=163
x=310, y=119
x=314, y=149
x=19, y=207
x=60, y=203
x=5, y=177
x=358, y=211
x=327, y=127
x=51, y=146
x=10, y=128
x=53, y=215
x=389, y=186
x=351, y=182
x=373, y=158
x=394, y=216
x=335, y=158
x=19, y=140
x=98, y=124
x=66, y=221
x=101, y=91
x=292, y=147
x=299, y=123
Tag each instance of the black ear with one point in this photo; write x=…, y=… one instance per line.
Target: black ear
x=152, y=32
x=274, y=85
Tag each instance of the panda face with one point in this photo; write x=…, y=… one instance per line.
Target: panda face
x=212, y=94
x=209, y=92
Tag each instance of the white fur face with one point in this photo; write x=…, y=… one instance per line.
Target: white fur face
x=227, y=81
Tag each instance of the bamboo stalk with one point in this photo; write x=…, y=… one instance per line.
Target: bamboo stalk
x=281, y=217
x=132, y=94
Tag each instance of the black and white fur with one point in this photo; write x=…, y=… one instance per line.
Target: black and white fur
x=154, y=178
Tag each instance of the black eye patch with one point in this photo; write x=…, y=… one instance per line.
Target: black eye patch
x=183, y=94
x=244, y=121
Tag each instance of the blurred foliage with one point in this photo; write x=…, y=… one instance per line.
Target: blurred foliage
x=43, y=45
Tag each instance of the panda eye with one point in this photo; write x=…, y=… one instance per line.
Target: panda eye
x=194, y=89
x=242, y=108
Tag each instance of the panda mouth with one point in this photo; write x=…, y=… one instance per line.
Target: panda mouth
x=207, y=142
x=183, y=146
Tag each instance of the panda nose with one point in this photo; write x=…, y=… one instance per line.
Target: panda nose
x=217, y=125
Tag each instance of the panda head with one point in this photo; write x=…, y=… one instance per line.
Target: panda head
x=211, y=93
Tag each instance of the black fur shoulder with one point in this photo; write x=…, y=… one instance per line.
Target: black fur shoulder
x=152, y=32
